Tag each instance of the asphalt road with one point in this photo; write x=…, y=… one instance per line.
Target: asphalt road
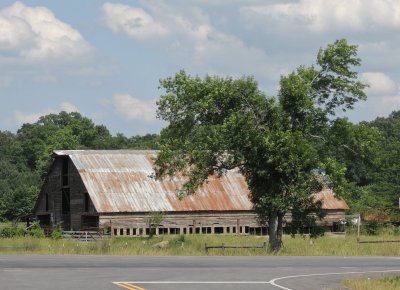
x=153, y=273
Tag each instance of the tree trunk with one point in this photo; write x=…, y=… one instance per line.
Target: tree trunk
x=275, y=221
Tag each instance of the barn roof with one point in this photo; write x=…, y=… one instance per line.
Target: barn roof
x=123, y=181
x=329, y=200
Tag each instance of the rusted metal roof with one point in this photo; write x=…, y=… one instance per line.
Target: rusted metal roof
x=330, y=200
x=123, y=181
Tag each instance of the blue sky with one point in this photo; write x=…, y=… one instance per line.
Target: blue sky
x=104, y=59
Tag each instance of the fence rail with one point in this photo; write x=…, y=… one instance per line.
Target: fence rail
x=378, y=241
x=85, y=236
x=223, y=247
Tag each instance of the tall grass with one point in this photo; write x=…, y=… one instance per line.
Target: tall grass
x=365, y=283
x=193, y=245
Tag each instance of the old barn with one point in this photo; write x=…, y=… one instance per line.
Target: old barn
x=115, y=190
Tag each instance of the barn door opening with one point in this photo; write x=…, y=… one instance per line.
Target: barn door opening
x=66, y=209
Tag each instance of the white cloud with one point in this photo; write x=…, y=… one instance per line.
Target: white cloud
x=22, y=118
x=379, y=83
x=68, y=107
x=133, y=108
x=132, y=21
x=36, y=34
x=322, y=15
x=188, y=37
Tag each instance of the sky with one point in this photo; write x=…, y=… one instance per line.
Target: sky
x=105, y=59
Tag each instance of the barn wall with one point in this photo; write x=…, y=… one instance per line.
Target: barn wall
x=181, y=223
x=200, y=222
x=53, y=187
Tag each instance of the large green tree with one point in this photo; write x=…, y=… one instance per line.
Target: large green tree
x=285, y=147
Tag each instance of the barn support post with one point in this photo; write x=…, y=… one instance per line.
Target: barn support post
x=358, y=227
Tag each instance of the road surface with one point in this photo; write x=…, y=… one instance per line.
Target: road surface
x=155, y=273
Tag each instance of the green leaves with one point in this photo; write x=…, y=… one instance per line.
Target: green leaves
x=336, y=86
x=220, y=123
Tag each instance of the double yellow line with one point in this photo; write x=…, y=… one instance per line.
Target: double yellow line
x=128, y=285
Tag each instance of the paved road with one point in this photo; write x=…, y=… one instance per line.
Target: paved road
x=154, y=273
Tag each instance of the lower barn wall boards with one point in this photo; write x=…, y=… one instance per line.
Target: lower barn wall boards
x=197, y=223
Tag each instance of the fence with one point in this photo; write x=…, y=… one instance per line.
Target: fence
x=376, y=231
x=223, y=247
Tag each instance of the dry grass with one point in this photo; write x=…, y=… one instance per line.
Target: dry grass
x=365, y=283
x=193, y=245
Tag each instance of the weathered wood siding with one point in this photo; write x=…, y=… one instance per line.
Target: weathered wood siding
x=197, y=222
x=53, y=187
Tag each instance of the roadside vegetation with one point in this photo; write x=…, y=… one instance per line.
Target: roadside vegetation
x=193, y=245
x=366, y=283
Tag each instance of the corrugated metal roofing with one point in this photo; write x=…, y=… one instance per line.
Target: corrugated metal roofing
x=330, y=201
x=123, y=181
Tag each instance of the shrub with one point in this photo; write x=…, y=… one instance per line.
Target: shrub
x=372, y=228
x=36, y=231
x=11, y=231
x=57, y=232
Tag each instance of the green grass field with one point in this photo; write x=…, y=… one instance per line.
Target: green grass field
x=193, y=245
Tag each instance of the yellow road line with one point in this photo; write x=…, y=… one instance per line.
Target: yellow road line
x=128, y=286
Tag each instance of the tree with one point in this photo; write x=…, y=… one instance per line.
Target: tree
x=60, y=132
x=283, y=147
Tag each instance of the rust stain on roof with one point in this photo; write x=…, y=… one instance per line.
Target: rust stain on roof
x=330, y=200
x=123, y=181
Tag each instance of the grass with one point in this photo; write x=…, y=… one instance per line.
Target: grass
x=365, y=283
x=193, y=245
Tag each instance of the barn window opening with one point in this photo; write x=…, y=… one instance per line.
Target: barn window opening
x=65, y=206
x=128, y=232
x=234, y=230
x=90, y=222
x=228, y=230
x=198, y=230
x=121, y=232
x=86, y=202
x=115, y=232
x=218, y=230
x=134, y=232
x=47, y=202
x=184, y=231
x=65, y=168
x=174, y=231
x=140, y=232
x=264, y=231
x=44, y=220
x=147, y=231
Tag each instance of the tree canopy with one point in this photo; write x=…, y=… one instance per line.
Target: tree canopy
x=287, y=147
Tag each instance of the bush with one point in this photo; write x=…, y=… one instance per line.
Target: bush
x=372, y=228
x=57, y=232
x=11, y=231
x=36, y=231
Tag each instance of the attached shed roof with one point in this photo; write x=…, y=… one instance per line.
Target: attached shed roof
x=121, y=181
